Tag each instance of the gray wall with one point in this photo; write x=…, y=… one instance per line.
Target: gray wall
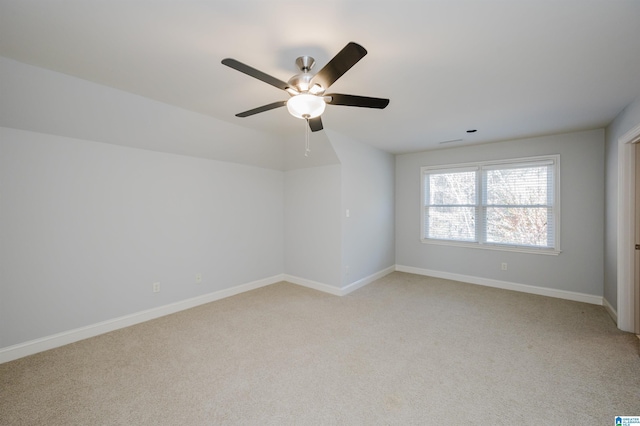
x=579, y=268
x=625, y=121
x=312, y=234
x=88, y=221
x=368, y=234
x=87, y=227
x=320, y=241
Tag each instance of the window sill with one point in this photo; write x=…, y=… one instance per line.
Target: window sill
x=498, y=247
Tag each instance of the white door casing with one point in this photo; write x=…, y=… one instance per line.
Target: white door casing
x=626, y=229
x=637, y=242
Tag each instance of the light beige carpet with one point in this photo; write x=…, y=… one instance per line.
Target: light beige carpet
x=405, y=350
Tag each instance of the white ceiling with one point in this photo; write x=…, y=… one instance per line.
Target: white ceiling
x=510, y=69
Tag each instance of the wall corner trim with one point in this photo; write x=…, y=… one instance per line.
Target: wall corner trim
x=524, y=288
x=31, y=347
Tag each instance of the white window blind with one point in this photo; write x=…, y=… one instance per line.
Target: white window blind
x=508, y=204
x=451, y=208
x=518, y=204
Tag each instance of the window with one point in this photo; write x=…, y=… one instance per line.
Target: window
x=510, y=205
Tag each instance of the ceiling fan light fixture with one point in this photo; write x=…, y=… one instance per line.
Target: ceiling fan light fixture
x=307, y=91
x=306, y=106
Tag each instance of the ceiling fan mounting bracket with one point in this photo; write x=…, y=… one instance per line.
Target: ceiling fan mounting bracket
x=305, y=63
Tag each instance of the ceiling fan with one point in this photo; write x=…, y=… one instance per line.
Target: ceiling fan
x=307, y=91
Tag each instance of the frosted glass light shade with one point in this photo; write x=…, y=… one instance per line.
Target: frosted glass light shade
x=306, y=106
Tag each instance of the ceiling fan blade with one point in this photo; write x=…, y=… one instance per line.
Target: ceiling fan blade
x=250, y=71
x=340, y=64
x=315, y=124
x=357, y=101
x=263, y=108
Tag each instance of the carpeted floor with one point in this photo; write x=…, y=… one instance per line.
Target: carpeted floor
x=404, y=350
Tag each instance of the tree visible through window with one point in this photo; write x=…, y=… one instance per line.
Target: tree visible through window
x=508, y=204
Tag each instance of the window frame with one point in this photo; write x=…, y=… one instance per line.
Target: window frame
x=480, y=205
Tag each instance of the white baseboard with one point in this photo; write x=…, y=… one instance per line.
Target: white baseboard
x=326, y=288
x=50, y=342
x=610, y=310
x=367, y=280
x=60, y=339
x=542, y=291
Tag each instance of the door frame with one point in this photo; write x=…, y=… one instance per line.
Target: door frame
x=626, y=228
x=636, y=241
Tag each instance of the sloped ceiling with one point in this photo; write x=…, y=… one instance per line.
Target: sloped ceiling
x=509, y=69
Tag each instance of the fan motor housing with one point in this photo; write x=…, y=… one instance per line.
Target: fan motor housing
x=302, y=82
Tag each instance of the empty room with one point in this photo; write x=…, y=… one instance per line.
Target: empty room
x=319, y=213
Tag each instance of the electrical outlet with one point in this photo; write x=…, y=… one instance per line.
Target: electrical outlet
x=504, y=266
x=198, y=278
x=156, y=287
